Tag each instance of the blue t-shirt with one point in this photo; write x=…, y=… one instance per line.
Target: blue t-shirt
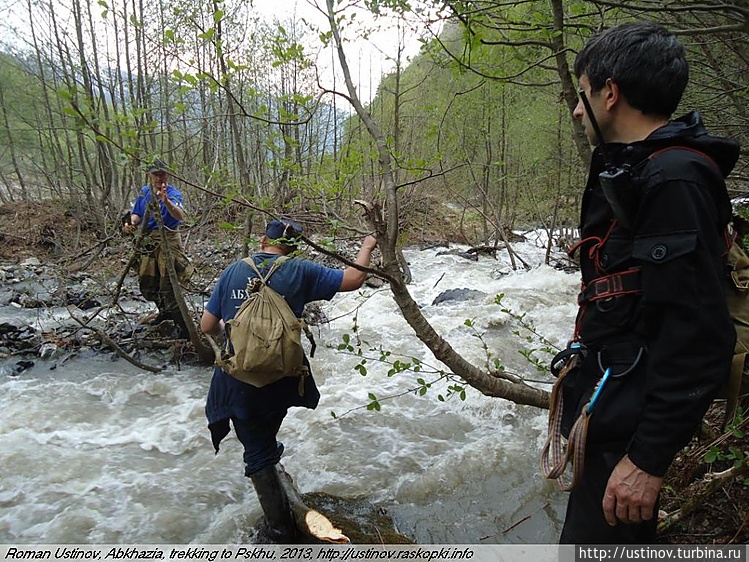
x=144, y=197
x=298, y=281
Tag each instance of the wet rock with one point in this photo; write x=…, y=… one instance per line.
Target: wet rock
x=17, y=368
x=31, y=293
x=313, y=314
x=18, y=338
x=375, y=282
x=461, y=254
x=6, y=296
x=457, y=295
x=48, y=350
x=83, y=300
x=8, y=328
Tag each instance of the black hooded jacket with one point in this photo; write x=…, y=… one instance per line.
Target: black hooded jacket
x=670, y=342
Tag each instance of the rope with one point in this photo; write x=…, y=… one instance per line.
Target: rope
x=554, y=456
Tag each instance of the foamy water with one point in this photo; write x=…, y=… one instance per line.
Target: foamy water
x=96, y=451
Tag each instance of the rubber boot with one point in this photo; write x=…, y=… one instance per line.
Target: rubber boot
x=179, y=322
x=275, y=504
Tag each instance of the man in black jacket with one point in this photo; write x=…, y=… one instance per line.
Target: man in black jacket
x=652, y=309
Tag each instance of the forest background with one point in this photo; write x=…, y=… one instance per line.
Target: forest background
x=468, y=140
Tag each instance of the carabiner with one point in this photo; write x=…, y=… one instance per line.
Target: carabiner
x=597, y=391
x=560, y=359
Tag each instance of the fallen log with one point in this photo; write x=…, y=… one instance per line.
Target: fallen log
x=309, y=522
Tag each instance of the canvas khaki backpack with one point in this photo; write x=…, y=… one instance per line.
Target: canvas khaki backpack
x=737, y=295
x=263, y=340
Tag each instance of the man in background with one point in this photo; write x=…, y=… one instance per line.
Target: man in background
x=163, y=205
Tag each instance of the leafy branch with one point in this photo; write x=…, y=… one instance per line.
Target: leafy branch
x=533, y=337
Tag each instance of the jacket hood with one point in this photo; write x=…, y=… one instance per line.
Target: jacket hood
x=690, y=131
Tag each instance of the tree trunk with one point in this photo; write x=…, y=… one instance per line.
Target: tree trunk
x=386, y=229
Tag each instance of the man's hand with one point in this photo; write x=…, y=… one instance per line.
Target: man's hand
x=630, y=494
x=160, y=186
x=369, y=242
x=128, y=228
x=354, y=278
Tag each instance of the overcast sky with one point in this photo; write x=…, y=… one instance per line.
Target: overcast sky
x=368, y=58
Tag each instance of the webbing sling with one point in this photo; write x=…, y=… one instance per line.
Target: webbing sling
x=555, y=457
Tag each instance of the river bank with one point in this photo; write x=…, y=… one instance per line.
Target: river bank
x=48, y=278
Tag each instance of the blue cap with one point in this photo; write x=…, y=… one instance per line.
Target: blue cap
x=284, y=229
x=157, y=166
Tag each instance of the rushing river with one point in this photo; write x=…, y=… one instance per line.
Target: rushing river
x=96, y=451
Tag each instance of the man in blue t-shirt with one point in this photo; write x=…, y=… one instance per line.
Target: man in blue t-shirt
x=153, y=273
x=257, y=413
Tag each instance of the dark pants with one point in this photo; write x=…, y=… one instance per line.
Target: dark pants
x=584, y=522
x=258, y=437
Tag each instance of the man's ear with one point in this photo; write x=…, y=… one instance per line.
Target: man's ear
x=263, y=242
x=611, y=94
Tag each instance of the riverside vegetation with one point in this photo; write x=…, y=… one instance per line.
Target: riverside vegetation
x=698, y=482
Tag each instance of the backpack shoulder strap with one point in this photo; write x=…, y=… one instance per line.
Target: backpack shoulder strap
x=273, y=268
x=276, y=264
x=685, y=148
x=728, y=234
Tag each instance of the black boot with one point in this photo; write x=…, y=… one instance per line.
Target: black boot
x=275, y=504
x=181, y=325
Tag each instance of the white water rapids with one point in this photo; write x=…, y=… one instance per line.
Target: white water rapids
x=96, y=451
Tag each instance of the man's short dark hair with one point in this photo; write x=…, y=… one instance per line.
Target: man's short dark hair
x=645, y=60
